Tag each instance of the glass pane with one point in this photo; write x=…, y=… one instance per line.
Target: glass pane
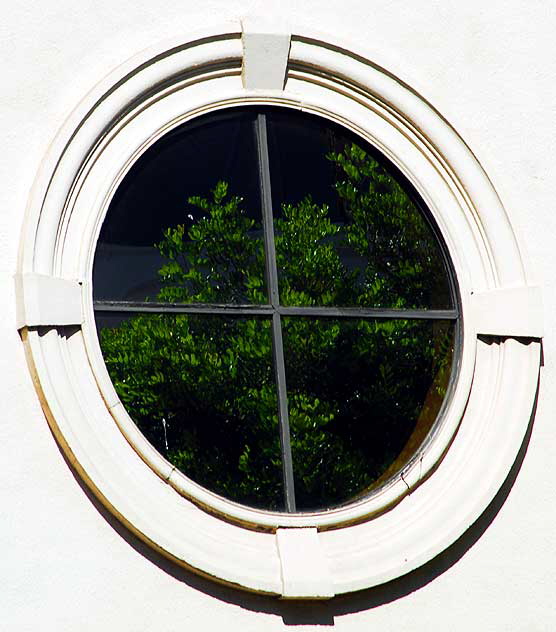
x=202, y=391
x=185, y=224
x=362, y=397
x=349, y=231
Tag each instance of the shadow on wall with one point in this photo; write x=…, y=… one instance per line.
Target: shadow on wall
x=323, y=613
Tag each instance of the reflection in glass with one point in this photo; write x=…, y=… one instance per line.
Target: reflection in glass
x=220, y=259
x=202, y=391
x=187, y=220
x=196, y=187
x=362, y=397
x=185, y=227
x=372, y=247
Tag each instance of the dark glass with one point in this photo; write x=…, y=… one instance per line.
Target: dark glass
x=349, y=231
x=362, y=397
x=163, y=237
x=202, y=391
x=185, y=227
x=298, y=145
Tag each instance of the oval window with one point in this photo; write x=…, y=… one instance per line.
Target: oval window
x=276, y=309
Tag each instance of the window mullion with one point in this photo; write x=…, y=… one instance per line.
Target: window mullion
x=266, y=202
x=370, y=313
x=272, y=284
x=285, y=442
x=232, y=309
x=144, y=307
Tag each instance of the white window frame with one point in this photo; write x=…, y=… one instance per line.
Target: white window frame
x=465, y=461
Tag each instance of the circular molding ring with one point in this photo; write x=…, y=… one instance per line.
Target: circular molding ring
x=466, y=459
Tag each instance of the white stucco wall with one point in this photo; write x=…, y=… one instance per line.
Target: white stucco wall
x=489, y=69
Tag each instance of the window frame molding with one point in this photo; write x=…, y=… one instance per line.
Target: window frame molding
x=465, y=461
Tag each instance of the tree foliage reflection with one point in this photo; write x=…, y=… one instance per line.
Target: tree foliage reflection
x=360, y=391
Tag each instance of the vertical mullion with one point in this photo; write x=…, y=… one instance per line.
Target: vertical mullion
x=272, y=284
x=266, y=201
x=280, y=371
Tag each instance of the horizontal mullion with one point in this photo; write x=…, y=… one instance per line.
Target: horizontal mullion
x=370, y=312
x=181, y=308
x=267, y=310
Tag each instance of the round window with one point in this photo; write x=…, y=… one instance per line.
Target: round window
x=243, y=324
x=275, y=308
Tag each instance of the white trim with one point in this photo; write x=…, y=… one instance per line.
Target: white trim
x=468, y=455
x=47, y=301
x=303, y=566
x=265, y=56
x=515, y=311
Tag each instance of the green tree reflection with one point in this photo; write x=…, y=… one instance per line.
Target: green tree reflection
x=362, y=394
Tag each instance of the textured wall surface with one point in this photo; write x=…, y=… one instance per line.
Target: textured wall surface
x=489, y=70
